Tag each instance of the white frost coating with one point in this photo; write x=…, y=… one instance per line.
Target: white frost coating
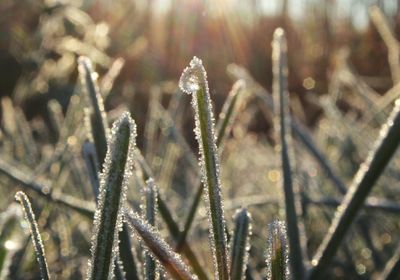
x=22, y=198
x=159, y=249
x=194, y=81
x=193, y=77
x=277, y=243
x=107, y=181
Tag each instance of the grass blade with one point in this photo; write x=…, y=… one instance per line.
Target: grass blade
x=92, y=165
x=281, y=101
x=223, y=127
x=364, y=180
x=98, y=119
x=23, y=199
x=277, y=254
x=150, y=199
x=114, y=180
x=392, y=269
x=194, y=81
x=171, y=261
x=240, y=244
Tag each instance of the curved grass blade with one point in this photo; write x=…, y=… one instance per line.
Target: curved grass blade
x=281, y=102
x=98, y=119
x=364, y=180
x=23, y=199
x=277, y=254
x=171, y=261
x=240, y=244
x=194, y=82
x=150, y=197
x=113, y=186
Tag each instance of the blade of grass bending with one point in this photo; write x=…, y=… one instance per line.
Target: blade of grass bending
x=171, y=261
x=194, y=82
x=281, y=101
x=23, y=199
x=98, y=119
x=277, y=254
x=240, y=244
x=150, y=201
x=223, y=127
x=364, y=180
x=392, y=269
x=114, y=180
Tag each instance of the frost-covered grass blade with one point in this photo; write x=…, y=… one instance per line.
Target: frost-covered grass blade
x=98, y=119
x=367, y=175
x=277, y=252
x=113, y=185
x=281, y=103
x=171, y=261
x=240, y=244
x=194, y=82
x=23, y=199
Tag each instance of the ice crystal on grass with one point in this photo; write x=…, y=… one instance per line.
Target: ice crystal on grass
x=113, y=186
x=23, y=199
x=277, y=254
x=194, y=82
x=160, y=250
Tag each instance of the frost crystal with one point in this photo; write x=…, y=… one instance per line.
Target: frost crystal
x=277, y=254
x=193, y=76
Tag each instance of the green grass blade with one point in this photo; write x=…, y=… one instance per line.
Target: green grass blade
x=194, y=81
x=240, y=244
x=364, y=180
x=150, y=199
x=23, y=199
x=281, y=101
x=224, y=124
x=171, y=261
x=277, y=254
x=114, y=180
x=98, y=119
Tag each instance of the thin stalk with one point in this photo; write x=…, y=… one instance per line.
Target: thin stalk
x=392, y=268
x=277, y=254
x=364, y=180
x=279, y=50
x=150, y=200
x=23, y=199
x=194, y=81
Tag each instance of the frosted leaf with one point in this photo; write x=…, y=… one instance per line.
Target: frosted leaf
x=117, y=169
x=159, y=249
x=193, y=77
x=277, y=252
x=194, y=81
x=23, y=199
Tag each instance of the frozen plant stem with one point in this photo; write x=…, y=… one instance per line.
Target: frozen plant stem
x=150, y=197
x=23, y=199
x=281, y=100
x=194, y=81
x=277, y=254
x=113, y=185
x=364, y=180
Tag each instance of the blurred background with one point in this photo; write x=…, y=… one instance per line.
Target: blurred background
x=40, y=41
